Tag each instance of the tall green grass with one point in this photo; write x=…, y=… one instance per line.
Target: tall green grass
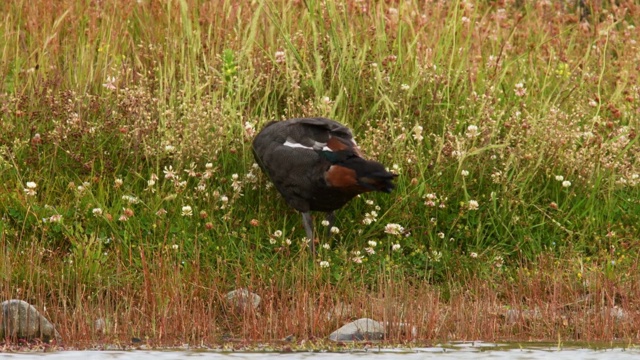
x=470, y=104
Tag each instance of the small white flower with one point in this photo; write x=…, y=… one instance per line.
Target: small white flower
x=287, y=241
x=472, y=131
x=593, y=103
x=464, y=173
x=369, y=202
x=224, y=199
x=325, y=222
x=441, y=235
x=187, y=211
x=559, y=177
x=395, y=247
x=324, y=264
x=566, y=183
x=393, y=229
x=473, y=255
x=97, y=211
x=169, y=173
x=234, y=177
x=31, y=185
x=208, y=166
x=277, y=233
x=372, y=243
x=370, y=250
x=169, y=148
x=334, y=230
x=272, y=241
x=280, y=56
x=55, y=218
x=405, y=87
x=175, y=246
x=326, y=246
x=473, y=205
x=30, y=190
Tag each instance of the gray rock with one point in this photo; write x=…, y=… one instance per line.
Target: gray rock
x=20, y=320
x=243, y=299
x=361, y=329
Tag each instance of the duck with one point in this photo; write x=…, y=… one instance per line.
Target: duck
x=316, y=165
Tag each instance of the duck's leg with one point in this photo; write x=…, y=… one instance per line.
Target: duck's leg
x=307, y=222
x=330, y=217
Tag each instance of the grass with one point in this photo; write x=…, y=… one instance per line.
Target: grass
x=128, y=191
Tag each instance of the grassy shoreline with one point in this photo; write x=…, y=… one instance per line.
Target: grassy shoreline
x=128, y=191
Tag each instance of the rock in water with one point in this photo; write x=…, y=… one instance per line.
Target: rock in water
x=361, y=329
x=20, y=320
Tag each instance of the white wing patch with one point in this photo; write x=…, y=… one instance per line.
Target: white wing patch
x=316, y=145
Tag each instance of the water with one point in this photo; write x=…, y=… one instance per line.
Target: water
x=475, y=351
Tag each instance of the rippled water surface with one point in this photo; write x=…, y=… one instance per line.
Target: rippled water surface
x=476, y=351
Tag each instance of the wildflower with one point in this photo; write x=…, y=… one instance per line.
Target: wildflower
x=417, y=133
x=281, y=57
x=404, y=87
x=393, y=229
x=357, y=258
x=473, y=205
x=324, y=264
x=472, y=131
x=473, y=255
x=464, y=173
x=203, y=214
x=436, y=256
x=520, y=90
x=441, y=235
x=325, y=222
x=287, y=241
x=208, y=166
x=370, y=250
x=370, y=217
x=372, y=243
x=187, y=211
x=30, y=190
x=498, y=261
x=593, y=103
x=123, y=217
x=128, y=212
x=277, y=233
x=395, y=247
x=559, y=177
x=234, y=177
x=553, y=205
x=208, y=225
x=161, y=212
x=55, y=218
x=169, y=173
x=224, y=199
x=130, y=199
x=169, y=148
x=97, y=211
x=326, y=246
x=110, y=83
x=566, y=183
x=254, y=222
x=326, y=100
x=334, y=230
x=272, y=241
x=175, y=246
x=465, y=20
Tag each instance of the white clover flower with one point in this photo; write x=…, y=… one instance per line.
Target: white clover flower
x=169, y=148
x=393, y=229
x=473, y=255
x=370, y=250
x=593, y=103
x=369, y=202
x=325, y=222
x=208, y=166
x=272, y=241
x=559, y=177
x=224, y=199
x=334, y=230
x=464, y=173
x=277, y=233
x=520, y=89
x=161, y=212
x=175, y=246
x=169, y=173
x=326, y=246
x=472, y=131
x=234, y=177
x=287, y=241
x=405, y=87
x=324, y=264
x=441, y=235
x=566, y=183
x=30, y=190
x=187, y=211
x=130, y=199
x=372, y=243
x=97, y=211
x=280, y=56
x=395, y=247
x=473, y=205
x=55, y=218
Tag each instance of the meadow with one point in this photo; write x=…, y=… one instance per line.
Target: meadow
x=129, y=193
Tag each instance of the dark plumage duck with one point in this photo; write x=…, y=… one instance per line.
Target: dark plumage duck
x=317, y=166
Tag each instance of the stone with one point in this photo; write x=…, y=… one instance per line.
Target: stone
x=20, y=320
x=243, y=299
x=358, y=330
